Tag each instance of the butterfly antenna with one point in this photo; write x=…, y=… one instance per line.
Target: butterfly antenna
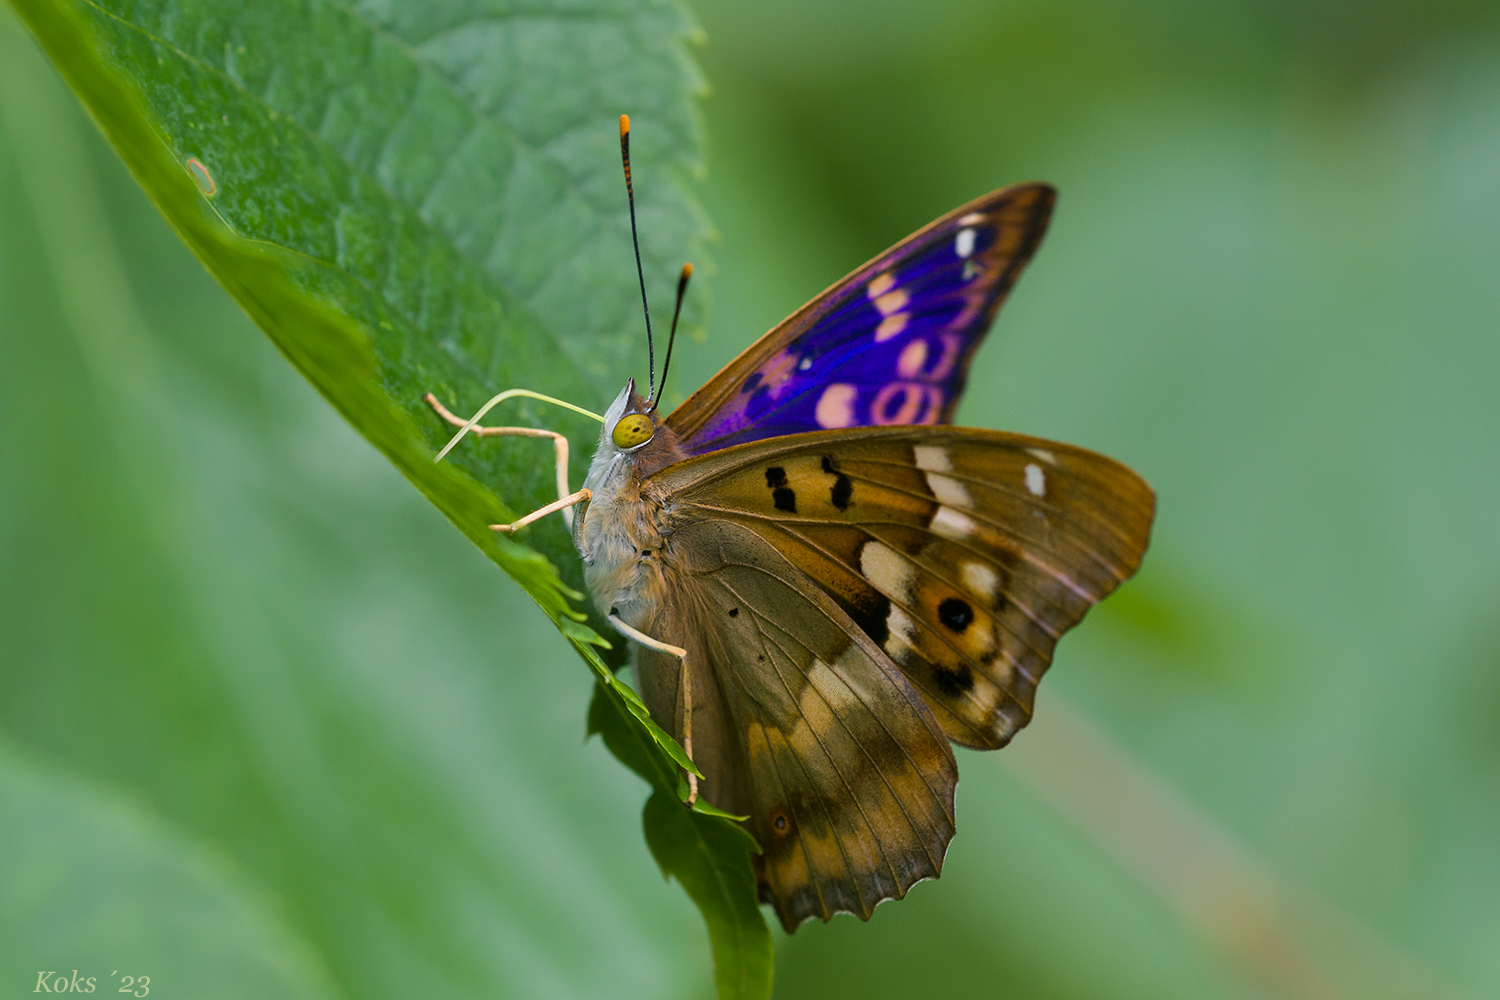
x=666, y=362
x=636, y=241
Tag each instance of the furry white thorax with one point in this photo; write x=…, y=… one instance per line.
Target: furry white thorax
x=620, y=545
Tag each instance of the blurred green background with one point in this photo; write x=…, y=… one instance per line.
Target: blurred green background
x=270, y=727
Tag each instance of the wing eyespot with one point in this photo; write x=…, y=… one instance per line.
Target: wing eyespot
x=955, y=614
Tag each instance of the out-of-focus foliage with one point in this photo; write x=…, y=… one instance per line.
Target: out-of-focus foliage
x=89, y=881
x=254, y=675
x=395, y=195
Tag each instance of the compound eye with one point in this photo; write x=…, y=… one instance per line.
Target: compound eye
x=633, y=430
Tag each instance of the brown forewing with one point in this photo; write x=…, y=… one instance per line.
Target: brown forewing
x=962, y=554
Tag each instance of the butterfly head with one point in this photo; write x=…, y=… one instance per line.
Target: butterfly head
x=629, y=423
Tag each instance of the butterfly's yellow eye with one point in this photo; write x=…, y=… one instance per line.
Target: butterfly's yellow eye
x=633, y=430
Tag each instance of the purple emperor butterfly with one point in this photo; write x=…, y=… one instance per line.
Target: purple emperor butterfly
x=827, y=584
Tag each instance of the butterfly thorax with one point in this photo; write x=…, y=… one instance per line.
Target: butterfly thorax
x=624, y=531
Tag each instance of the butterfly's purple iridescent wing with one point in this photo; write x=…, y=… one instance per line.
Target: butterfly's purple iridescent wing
x=889, y=344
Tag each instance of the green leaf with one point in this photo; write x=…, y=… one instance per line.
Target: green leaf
x=707, y=810
x=585, y=640
x=425, y=198
x=709, y=857
x=706, y=851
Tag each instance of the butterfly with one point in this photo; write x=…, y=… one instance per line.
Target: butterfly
x=827, y=583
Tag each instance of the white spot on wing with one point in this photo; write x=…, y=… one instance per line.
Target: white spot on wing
x=913, y=357
x=986, y=696
x=1043, y=454
x=948, y=491
x=823, y=684
x=1036, y=480
x=896, y=647
x=891, y=325
x=954, y=524
x=804, y=364
x=892, y=301
x=900, y=625
x=982, y=580
x=931, y=458
x=886, y=571
x=836, y=406
x=880, y=284
x=818, y=673
x=972, y=219
x=851, y=667
x=963, y=244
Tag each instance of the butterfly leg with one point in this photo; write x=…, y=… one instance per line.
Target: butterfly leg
x=566, y=500
x=564, y=504
x=687, y=690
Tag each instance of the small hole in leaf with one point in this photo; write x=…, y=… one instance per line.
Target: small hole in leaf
x=201, y=177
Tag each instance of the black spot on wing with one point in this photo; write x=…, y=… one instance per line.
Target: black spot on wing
x=870, y=611
x=752, y=382
x=956, y=614
x=841, y=492
x=953, y=682
x=781, y=494
x=842, y=488
x=734, y=612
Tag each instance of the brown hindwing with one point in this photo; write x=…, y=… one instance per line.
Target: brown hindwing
x=803, y=722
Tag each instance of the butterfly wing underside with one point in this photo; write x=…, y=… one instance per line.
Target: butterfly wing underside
x=961, y=554
x=801, y=722
x=857, y=587
x=890, y=344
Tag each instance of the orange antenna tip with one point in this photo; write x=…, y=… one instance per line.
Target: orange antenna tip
x=624, y=125
x=687, y=271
